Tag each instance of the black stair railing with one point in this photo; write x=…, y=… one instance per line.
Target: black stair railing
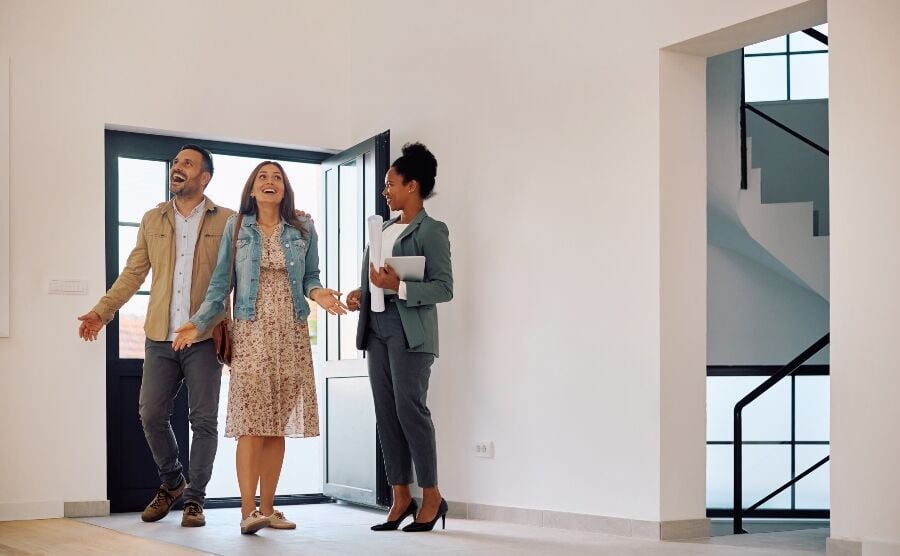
x=782, y=373
x=745, y=106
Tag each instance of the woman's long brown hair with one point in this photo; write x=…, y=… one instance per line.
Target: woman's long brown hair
x=248, y=202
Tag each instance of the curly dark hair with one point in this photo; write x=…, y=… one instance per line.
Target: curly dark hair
x=417, y=163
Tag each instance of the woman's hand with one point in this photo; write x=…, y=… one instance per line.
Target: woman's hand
x=186, y=336
x=386, y=278
x=329, y=299
x=353, y=299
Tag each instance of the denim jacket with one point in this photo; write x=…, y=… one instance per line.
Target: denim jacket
x=301, y=255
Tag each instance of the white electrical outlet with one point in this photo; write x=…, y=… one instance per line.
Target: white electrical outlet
x=484, y=449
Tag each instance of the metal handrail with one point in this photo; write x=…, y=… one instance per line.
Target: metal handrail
x=790, y=131
x=819, y=36
x=783, y=487
x=784, y=372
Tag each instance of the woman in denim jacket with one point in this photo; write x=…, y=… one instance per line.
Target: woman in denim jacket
x=272, y=390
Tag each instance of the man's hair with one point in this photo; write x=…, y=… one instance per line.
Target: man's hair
x=207, y=157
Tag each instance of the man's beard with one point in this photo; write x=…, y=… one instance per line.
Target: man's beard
x=187, y=190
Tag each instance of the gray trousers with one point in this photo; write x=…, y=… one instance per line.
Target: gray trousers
x=164, y=371
x=400, y=386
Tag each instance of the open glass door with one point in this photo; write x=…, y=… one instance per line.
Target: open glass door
x=354, y=469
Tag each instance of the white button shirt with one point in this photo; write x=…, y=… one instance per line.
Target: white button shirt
x=187, y=228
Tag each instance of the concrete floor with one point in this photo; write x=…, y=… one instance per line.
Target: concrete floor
x=343, y=529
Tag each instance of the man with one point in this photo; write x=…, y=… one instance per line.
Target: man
x=178, y=241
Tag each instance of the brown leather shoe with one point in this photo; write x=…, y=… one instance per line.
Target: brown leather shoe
x=162, y=502
x=193, y=515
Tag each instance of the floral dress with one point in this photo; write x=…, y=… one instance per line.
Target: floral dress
x=272, y=391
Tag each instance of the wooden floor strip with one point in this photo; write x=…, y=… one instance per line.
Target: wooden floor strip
x=64, y=536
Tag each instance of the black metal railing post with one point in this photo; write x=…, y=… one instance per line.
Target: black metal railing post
x=738, y=472
x=819, y=36
x=743, y=127
x=785, y=371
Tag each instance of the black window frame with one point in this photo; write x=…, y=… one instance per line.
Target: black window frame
x=766, y=371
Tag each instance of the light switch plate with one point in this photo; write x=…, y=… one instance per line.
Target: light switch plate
x=67, y=287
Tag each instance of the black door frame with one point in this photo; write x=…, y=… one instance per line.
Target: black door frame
x=131, y=490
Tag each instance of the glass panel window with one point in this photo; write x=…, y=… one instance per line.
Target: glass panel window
x=813, y=407
x=809, y=76
x=131, y=327
x=771, y=467
x=350, y=236
x=768, y=418
x=765, y=78
x=142, y=185
x=801, y=42
x=127, y=242
x=778, y=44
x=812, y=492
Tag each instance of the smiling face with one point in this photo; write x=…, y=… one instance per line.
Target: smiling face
x=268, y=187
x=187, y=177
x=396, y=191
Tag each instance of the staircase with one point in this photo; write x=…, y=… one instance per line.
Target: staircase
x=786, y=231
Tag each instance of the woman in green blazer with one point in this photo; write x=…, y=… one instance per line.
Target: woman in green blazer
x=402, y=341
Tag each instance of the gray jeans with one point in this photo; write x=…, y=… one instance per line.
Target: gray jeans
x=400, y=387
x=164, y=371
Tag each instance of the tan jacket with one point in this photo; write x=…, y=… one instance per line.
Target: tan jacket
x=155, y=250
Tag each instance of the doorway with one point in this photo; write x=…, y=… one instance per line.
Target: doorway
x=137, y=166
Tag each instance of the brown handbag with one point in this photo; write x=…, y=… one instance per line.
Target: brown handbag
x=221, y=334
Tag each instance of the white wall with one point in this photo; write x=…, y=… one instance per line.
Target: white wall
x=222, y=70
x=4, y=191
x=546, y=122
x=755, y=314
x=545, y=117
x=865, y=270
x=756, y=317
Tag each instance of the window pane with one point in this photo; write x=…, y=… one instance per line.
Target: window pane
x=131, y=327
x=812, y=491
x=350, y=235
x=127, y=241
x=332, y=204
x=767, y=418
x=374, y=185
x=809, y=76
x=801, y=42
x=142, y=185
x=765, y=469
x=778, y=44
x=812, y=398
x=765, y=78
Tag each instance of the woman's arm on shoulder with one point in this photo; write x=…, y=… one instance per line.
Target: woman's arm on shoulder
x=210, y=312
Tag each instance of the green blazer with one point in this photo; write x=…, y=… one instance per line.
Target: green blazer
x=418, y=313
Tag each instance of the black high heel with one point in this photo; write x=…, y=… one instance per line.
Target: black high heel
x=416, y=527
x=411, y=510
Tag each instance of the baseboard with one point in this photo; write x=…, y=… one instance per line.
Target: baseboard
x=842, y=547
x=619, y=526
x=88, y=508
x=13, y=511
